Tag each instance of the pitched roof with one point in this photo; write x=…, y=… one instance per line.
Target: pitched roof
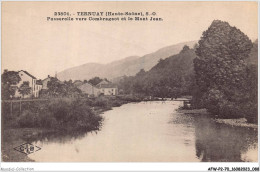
x=27, y=73
x=86, y=84
x=46, y=78
x=107, y=85
x=103, y=82
x=49, y=78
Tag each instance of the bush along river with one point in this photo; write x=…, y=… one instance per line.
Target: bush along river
x=152, y=132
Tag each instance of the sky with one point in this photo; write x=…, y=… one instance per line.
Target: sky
x=30, y=42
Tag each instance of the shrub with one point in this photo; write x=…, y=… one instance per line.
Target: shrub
x=130, y=98
x=116, y=103
x=100, y=102
x=28, y=119
x=61, y=114
x=46, y=120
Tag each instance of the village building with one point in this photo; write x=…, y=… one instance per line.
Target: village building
x=103, y=88
x=89, y=89
x=38, y=88
x=103, y=82
x=45, y=82
x=44, y=91
x=107, y=88
x=33, y=84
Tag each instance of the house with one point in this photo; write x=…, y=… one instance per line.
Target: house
x=38, y=88
x=33, y=84
x=89, y=89
x=103, y=82
x=107, y=88
x=45, y=92
x=104, y=87
x=45, y=82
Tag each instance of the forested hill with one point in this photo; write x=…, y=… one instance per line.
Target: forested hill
x=181, y=64
x=170, y=77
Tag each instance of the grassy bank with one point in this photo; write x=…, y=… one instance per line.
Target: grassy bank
x=61, y=113
x=58, y=115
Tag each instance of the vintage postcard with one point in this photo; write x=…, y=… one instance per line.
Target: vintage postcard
x=129, y=81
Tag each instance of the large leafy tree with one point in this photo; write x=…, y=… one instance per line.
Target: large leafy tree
x=220, y=69
x=25, y=89
x=9, y=79
x=95, y=80
x=70, y=89
x=55, y=87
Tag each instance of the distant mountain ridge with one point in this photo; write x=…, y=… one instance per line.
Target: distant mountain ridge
x=128, y=66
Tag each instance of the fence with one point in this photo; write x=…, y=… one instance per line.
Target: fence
x=16, y=106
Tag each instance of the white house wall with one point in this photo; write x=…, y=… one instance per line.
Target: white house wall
x=35, y=88
x=44, y=83
x=109, y=91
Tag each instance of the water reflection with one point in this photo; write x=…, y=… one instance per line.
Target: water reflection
x=151, y=132
x=220, y=142
x=58, y=137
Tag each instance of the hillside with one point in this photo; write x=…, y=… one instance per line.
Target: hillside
x=173, y=75
x=169, y=77
x=181, y=63
x=128, y=66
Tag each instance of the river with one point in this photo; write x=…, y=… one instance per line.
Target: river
x=152, y=132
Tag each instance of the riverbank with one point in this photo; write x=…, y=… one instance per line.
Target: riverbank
x=14, y=135
x=193, y=111
x=148, y=135
x=240, y=122
x=38, y=118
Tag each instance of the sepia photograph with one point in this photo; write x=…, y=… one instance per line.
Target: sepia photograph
x=129, y=81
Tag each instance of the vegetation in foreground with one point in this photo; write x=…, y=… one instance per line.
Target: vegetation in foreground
x=58, y=114
x=63, y=114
